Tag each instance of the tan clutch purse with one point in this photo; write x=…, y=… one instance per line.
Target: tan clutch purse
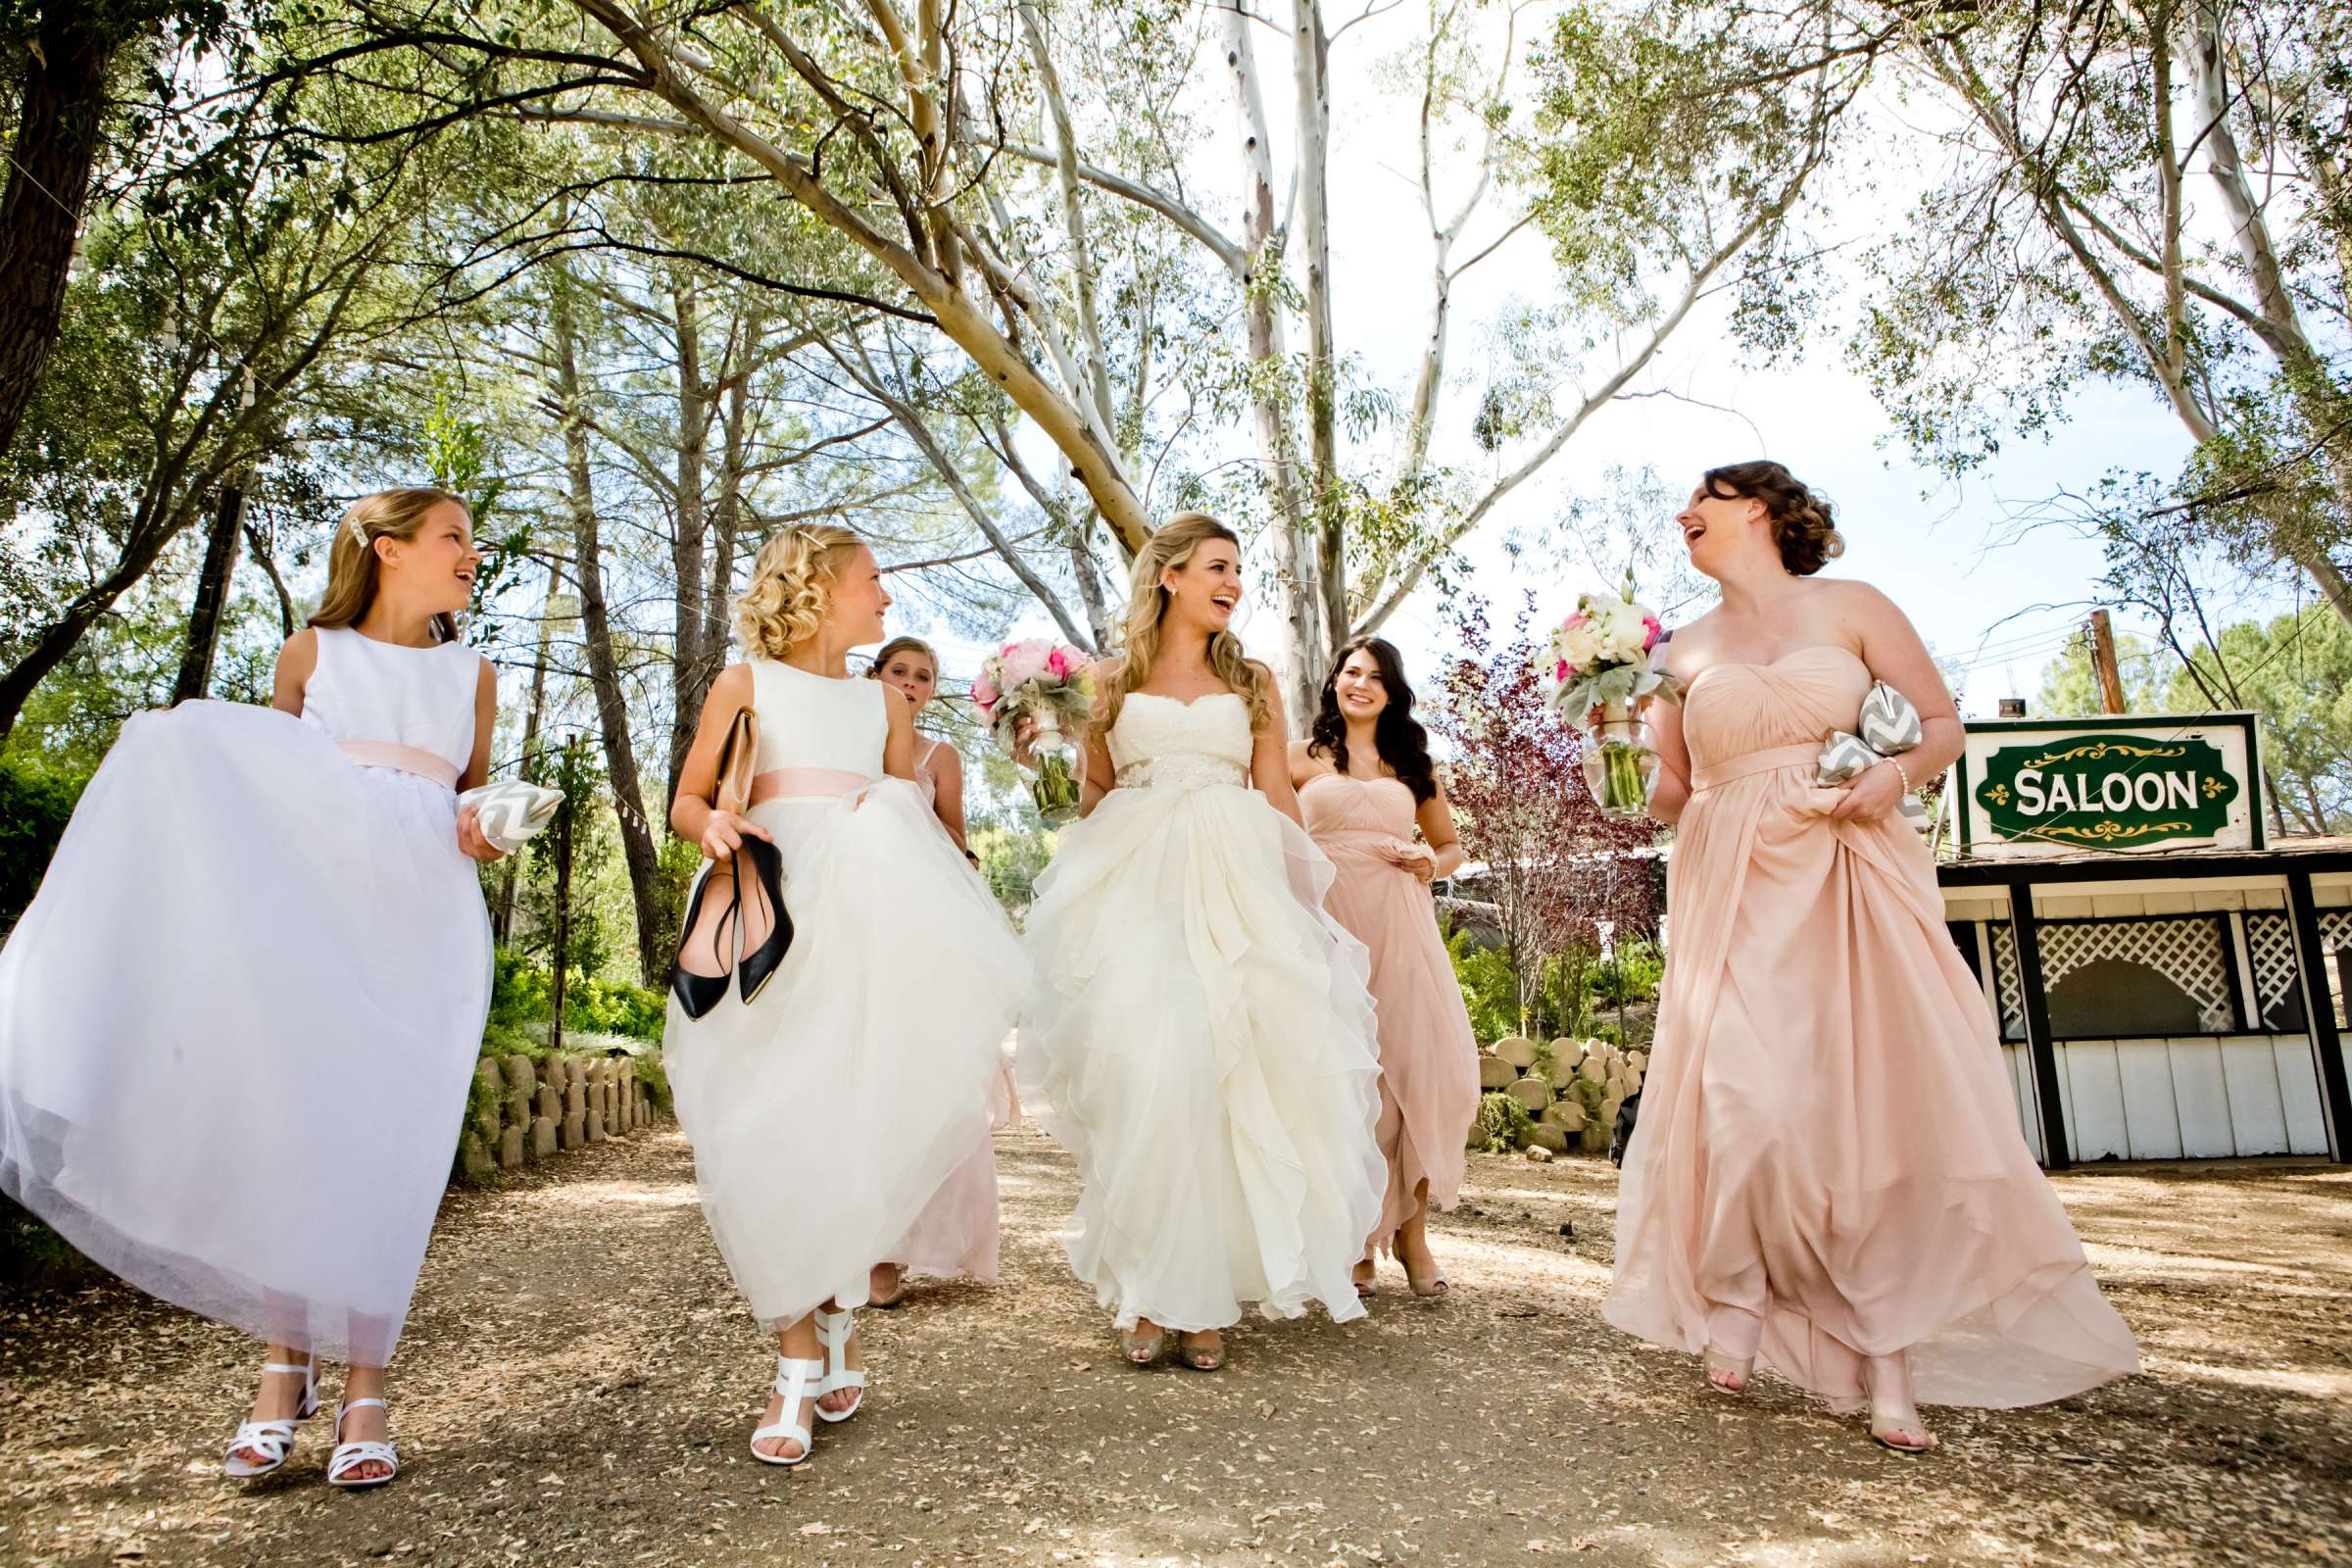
x=738, y=762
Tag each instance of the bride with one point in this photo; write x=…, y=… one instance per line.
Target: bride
x=1201, y=1038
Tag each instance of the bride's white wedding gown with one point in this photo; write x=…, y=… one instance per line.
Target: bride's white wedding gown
x=1202, y=1037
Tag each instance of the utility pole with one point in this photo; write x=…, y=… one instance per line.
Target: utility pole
x=2102, y=659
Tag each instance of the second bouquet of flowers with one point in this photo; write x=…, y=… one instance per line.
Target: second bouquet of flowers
x=1594, y=668
x=1053, y=686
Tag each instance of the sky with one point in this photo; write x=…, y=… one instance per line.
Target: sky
x=2000, y=611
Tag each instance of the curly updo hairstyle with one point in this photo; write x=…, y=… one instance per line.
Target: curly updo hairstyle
x=792, y=587
x=1801, y=524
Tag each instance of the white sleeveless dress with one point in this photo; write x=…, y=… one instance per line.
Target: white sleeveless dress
x=238, y=1022
x=959, y=1233
x=826, y=1113
x=1202, y=1037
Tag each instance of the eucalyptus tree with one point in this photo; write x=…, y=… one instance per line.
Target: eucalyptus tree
x=1023, y=182
x=2149, y=191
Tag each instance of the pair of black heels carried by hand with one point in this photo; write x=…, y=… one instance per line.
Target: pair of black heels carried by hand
x=721, y=921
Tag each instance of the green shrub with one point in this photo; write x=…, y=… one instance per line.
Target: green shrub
x=522, y=992
x=35, y=808
x=1631, y=976
x=1501, y=1122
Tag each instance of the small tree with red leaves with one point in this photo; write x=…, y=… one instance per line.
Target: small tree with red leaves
x=1556, y=866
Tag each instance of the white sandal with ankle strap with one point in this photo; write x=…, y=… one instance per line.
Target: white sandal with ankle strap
x=833, y=1330
x=273, y=1441
x=349, y=1456
x=796, y=1380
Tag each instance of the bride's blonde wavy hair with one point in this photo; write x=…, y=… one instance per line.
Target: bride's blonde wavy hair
x=792, y=587
x=1138, y=635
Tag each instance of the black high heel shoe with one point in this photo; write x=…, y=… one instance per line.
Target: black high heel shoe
x=698, y=994
x=760, y=963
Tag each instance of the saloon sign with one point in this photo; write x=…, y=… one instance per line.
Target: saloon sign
x=2047, y=787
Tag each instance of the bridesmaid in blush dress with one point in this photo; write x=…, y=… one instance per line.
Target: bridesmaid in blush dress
x=1365, y=783
x=958, y=1234
x=1827, y=1171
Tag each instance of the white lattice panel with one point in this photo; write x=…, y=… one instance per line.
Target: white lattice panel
x=2271, y=944
x=2187, y=951
x=2005, y=981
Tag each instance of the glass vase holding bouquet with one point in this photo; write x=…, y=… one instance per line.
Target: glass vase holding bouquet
x=1595, y=669
x=1053, y=688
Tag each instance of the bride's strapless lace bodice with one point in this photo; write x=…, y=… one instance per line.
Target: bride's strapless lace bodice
x=1159, y=742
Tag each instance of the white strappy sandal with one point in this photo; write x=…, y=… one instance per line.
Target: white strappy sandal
x=833, y=1330
x=273, y=1441
x=349, y=1456
x=796, y=1380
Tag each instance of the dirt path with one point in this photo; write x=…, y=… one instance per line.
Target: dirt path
x=578, y=1382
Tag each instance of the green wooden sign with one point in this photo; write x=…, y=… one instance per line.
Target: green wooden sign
x=2101, y=790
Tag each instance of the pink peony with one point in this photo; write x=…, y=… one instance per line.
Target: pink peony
x=984, y=692
x=1655, y=632
x=1057, y=663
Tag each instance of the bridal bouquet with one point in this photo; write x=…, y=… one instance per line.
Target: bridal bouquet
x=1055, y=686
x=1593, y=670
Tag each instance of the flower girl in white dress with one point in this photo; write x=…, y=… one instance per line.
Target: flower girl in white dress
x=958, y=1234
x=1200, y=1038
x=826, y=1096
x=238, y=1022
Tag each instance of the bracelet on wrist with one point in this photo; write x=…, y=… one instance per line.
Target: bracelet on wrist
x=1902, y=772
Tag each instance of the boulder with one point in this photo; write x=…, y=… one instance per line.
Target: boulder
x=1637, y=1060
x=493, y=1081
x=519, y=1109
x=1495, y=1073
x=510, y=1148
x=1533, y=1093
x=542, y=1138
x=1594, y=1070
x=1594, y=1140
x=575, y=1129
x=474, y=1157
x=523, y=1075
x=1565, y=1115
x=1549, y=1139
x=483, y=1125
x=1519, y=1052
x=1537, y=1154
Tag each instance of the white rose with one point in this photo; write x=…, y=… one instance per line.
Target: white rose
x=1579, y=644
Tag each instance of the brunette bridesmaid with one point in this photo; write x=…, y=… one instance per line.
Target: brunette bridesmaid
x=1828, y=1174
x=1365, y=784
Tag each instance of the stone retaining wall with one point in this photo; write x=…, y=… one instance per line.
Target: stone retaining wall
x=530, y=1109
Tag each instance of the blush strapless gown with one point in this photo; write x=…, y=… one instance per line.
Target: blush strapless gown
x=1428, y=1055
x=1827, y=1139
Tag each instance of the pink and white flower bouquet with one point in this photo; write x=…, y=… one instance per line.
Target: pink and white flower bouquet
x=1593, y=670
x=1055, y=686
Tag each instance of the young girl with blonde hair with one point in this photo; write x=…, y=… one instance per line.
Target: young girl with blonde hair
x=238, y=1022
x=827, y=1098
x=1200, y=1038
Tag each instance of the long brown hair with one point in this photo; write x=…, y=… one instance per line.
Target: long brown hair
x=1147, y=601
x=352, y=566
x=1396, y=735
x=1803, y=526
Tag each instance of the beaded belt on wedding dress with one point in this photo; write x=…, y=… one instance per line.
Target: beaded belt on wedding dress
x=1181, y=768
x=1753, y=763
x=402, y=760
